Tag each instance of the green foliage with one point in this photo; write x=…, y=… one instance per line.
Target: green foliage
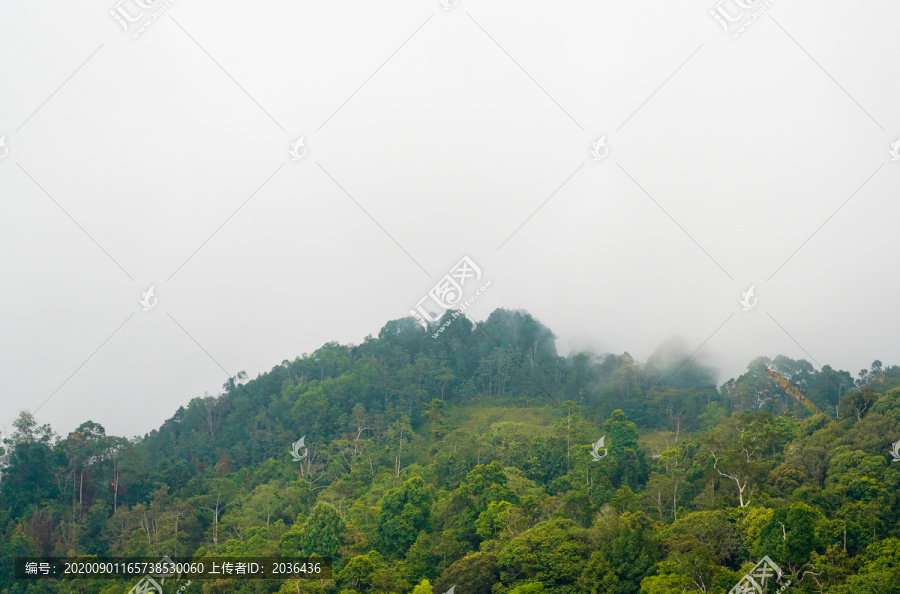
x=880, y=572
x=371, y=573
x=553, y=553
x=667, y=582
x=631, y=467
x=474, y=574
x=598, y=576
x=529, y=588
x=485, y=484
x=489, y=523
x=404, y=512
x=627, y=542
x=323, y=532
x=791, y=534
x=463, y=461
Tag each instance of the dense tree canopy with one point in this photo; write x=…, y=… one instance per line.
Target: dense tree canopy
x=464, y=461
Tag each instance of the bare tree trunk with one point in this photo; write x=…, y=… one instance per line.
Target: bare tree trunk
x=675, y=502
x=216, y=511
x=399, y=451
x=737, y=481
x=116, y=491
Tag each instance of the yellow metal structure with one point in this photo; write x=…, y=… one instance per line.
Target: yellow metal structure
x=790, y=389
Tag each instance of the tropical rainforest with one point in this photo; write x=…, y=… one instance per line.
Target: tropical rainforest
x=469, y=461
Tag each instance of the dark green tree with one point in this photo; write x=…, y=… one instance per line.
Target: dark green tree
x=404, y=513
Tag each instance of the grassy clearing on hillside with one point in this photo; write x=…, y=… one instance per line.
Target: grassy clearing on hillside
x=479, y=419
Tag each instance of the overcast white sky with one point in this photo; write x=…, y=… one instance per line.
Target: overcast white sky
x=434, y=134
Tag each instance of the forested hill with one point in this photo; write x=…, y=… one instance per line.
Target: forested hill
x=464, y=458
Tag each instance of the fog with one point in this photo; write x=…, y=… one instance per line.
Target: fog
x=429, y=134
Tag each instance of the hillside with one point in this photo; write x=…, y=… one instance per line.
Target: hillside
x=466, y=460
